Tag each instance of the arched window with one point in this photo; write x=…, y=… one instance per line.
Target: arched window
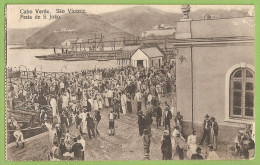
x=242, y=94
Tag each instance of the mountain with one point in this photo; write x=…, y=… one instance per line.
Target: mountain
x=18, y=36
x=126, y=23
x=79, y=26
x=138, y=19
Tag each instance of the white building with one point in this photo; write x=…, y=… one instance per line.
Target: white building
x=68, y=42
x=147, y=57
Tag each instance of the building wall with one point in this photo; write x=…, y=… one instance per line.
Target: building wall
x=210, y=65
x=183, y=82
x=233, y=28
x=139, y=55
x=154, y=62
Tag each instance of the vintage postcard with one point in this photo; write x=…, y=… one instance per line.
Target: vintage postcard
x=129, y=82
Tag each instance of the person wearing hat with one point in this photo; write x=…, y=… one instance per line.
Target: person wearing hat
x=214, y=132
x=239, y=142
x=83, y=143
x=140, y=122
x=146, y=142
x=18, y=137
x=211, y=155
x=62, y=147
x=42, y=116
x=111, y=118
x=206, y=130
x=197, y=156
x=166, y=146
x=158, y=111
x=116, y=107
x=191, y=142
x=110, y=96
x=97, y=120
x=129, y=103
x=180, y=145
x=179, y=121
x=54, y=106
x=248, y=131
x=77, y=149
x=12, y=123
x=90, y=126
x=83, y=117
x=123, y=102
x=167, y=118
x=138, y=99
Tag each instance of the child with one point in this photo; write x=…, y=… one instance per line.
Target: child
x=111, y=118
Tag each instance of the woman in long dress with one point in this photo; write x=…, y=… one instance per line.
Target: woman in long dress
x=123, y=102
x=106, y=99
x=65, y=101
x=83, y=117
x=53, y=104
x=191, y=142
x=95, y=104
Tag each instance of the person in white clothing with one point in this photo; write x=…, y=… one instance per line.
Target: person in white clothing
x=19, y=137
x=149, y=97
x=110, y=96
x=95, y=104
x=65, y=101
x=191, y=142
x=83, y=117
x=123, y=102
x=52, y=132
x=211, y=155
x=53, y=104
x=83, y=143
x=138, y=99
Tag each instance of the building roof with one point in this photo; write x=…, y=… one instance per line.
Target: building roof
x=152, y=52
x=131, y=48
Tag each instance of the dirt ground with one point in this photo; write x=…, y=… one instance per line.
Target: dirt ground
x=125, y=145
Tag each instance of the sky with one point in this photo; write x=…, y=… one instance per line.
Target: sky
x=14, y=12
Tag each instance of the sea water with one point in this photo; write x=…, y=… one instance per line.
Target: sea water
x=25, y=58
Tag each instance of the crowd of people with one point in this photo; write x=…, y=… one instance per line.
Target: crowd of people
x=77, y=100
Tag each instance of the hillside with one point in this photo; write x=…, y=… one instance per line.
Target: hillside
x=127, y=23
x=18, y=36
x=138, y=19
x=84, y=26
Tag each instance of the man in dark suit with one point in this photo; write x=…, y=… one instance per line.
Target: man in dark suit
x=167, y=118
x=77, y=150
x=206, y=130
x=214, y=132
x=158, y=111
x=90, y=126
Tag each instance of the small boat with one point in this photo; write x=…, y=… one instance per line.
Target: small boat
x=41, y=56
